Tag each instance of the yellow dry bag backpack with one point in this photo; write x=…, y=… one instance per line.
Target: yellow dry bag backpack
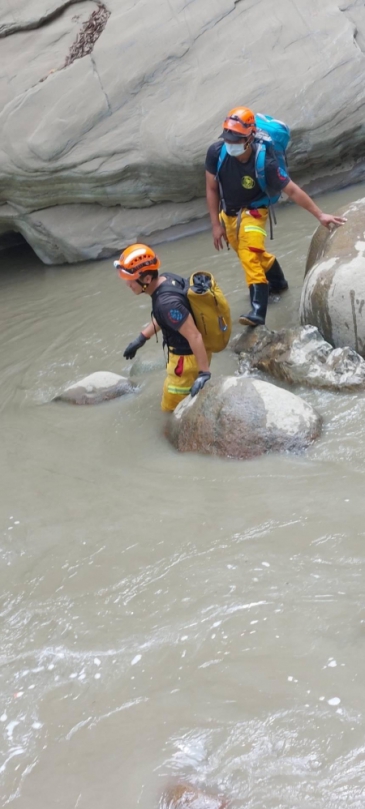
x=210, y=310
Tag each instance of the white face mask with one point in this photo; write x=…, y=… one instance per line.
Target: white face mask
x=236, y=149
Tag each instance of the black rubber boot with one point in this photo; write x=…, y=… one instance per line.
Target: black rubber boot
x=276, y=279
x=259, y=294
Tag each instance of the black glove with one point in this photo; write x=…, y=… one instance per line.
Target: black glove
x=203, y=377
x=133, y=347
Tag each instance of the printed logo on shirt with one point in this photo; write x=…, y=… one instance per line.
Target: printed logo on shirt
x=247, y=182
x=282, y=174
x=175, y=315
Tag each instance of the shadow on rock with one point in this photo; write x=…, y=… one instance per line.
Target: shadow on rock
x=98, y=387
x=300, y=356
x=236, y=417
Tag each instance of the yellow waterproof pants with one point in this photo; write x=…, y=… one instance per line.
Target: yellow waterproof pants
x=182, y=372
x=248, y=240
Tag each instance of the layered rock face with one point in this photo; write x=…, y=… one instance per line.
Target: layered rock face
x=107, y=109
x=333, y=295
x=241, y=418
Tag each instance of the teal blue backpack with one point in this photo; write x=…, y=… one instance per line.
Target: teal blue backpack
x=270, y=132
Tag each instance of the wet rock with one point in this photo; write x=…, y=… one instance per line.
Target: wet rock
x=333, y=295
x=96, y=388
x=184, y=796
x=143, y=366
x=300, y=356
x=112, y=174
x=236, y=417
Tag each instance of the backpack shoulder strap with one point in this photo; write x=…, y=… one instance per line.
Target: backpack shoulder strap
x=260, y=159
x=172, y=284
x=222, y=157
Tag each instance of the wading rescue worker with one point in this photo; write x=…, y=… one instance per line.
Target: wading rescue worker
x=188, y=361
x=229, y=200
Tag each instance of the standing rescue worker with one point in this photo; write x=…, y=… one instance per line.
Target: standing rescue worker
x=188, y=361
x=230, y=198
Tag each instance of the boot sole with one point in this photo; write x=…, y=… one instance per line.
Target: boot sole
x=244, y=321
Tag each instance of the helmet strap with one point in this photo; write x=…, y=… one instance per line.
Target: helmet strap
x=141, y=284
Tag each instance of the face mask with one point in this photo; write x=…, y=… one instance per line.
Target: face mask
x=236, y=149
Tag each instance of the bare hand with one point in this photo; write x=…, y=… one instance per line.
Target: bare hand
x=219, y=234
x=326, y=219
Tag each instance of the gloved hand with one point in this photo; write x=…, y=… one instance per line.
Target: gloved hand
x=133, y=347
x=203, y=377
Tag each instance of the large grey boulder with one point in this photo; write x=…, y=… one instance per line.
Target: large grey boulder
x=98, y=387
x=300, y=356
x=238, y=417
x=108, y=148
x=333, y=294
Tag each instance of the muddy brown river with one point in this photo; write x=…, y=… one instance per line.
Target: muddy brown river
x=170, y=617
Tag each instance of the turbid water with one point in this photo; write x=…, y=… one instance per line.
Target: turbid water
x=170, y=616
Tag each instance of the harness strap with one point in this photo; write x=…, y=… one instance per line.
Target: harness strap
x=238, y=223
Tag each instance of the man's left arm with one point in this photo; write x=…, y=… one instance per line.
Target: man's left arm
x=297, y=195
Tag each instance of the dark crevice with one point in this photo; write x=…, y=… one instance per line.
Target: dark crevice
x=85, y=41
x=89, y=34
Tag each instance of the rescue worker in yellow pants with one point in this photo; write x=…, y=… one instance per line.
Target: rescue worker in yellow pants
x=188, y=361
x=233, y=198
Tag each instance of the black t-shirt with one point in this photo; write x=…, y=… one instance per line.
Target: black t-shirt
x=238, y=180
x=170, y=309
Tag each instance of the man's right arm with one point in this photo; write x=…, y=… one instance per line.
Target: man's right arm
x=142, y=338
x=151, y=329
x=213, y=201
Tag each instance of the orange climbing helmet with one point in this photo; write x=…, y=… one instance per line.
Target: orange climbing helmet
x=240, y=123
x=135, y=260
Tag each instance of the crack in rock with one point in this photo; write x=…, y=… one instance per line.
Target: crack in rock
x=89, y=34
x=95, y=69
x=85, y=41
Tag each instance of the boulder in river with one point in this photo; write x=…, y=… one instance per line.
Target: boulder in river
x=185, y=796
x=333, y=295
x=237, y=417
x=96, y=388
x=300, y=356
x=147, y=365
